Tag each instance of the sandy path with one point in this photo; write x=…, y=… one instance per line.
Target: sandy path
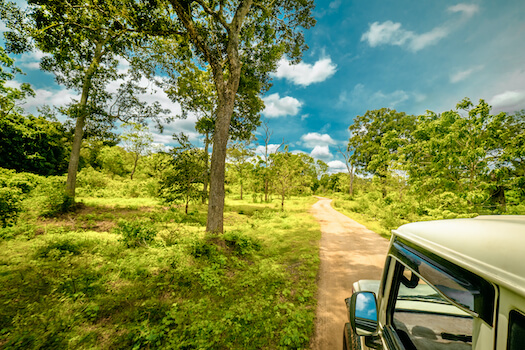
x=348, y=252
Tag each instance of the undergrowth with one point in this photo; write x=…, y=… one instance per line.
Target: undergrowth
x=155, y=280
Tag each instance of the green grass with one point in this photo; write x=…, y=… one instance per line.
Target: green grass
x=76, y=281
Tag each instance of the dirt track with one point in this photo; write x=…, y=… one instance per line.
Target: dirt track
x=349, y=252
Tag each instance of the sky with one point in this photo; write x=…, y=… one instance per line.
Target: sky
x=411, y=56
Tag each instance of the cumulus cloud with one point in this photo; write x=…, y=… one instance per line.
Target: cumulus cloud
x=314, y=139
x=305, y=74
x=336, y=166
x=322, y=153
x=392, y=33
x=275, y=106
x=509, y=101
x=464, y=74
x=272, y=148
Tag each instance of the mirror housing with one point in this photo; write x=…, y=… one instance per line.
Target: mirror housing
x=363, y=313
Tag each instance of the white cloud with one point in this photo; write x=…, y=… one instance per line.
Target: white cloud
x=305, y=74
x=509, y=100
x=31, y=60
x=275, y=106
x=321, y=152
x=314, y=139
x=392, y=33
x=386, y=33
x=464, y=74
x=421, y=41
x=467, y=9
x=272, y=148
x=336, y=166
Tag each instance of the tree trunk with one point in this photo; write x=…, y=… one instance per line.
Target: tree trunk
x=241, y=189
x=75, y=150
x=134, y=166
x=79, y=126
x=218, y=160
x=265, y=189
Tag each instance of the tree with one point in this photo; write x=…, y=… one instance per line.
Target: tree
x=239, y=43
x=33, y=144
x=290, y=174
x=182, y=180
x=84, y=40
x=461, y=154
x=137, y=140
x=239, y=156
x=10, y=97
x=112, y=159
x=264, y=164
x=376, y=138
x=349, y=167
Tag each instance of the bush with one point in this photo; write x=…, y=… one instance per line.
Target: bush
x=10, y=207
x=136, y=233
x=241, y=244
x=53, y=198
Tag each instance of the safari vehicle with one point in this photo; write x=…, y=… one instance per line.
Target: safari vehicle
x=447, y=284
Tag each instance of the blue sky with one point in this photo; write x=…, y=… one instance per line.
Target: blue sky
x=411, y=56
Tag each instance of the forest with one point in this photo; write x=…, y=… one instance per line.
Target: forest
x=112, y=242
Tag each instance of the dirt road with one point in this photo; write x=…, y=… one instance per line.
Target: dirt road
x=349, y=252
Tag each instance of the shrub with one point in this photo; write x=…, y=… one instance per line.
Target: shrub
x=240, y=243
x=53, y=198
x=136, y=233
x=9, y=205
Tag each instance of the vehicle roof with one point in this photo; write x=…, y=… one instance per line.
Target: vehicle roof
x=493, y=247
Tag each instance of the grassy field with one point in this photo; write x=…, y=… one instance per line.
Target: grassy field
x=136, y=274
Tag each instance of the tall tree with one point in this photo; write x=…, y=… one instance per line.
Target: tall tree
x=138, y=141
x=291, y=173
x=84, y=40
x=347, y=156
x=376, y=138
x=239, y=42
x=460, y=152
x=264, y=164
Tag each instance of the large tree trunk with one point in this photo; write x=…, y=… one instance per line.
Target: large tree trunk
x=81, y=121
x=218, y=161
x=75, y=152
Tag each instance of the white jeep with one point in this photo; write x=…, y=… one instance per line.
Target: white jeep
x=447, y=284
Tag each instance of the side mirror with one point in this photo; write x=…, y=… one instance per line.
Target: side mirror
x=363, y=313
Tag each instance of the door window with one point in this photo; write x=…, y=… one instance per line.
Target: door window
x=516, y=331
x=424, y=319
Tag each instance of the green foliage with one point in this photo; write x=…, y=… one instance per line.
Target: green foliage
x=33, y=144
x=241, y=244
x=183, y=180
x=139, y=233
x=65, y=287
x=9, y=205
x=113, y=160
x=52, y=197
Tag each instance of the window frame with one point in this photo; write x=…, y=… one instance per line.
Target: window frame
x=410, y=255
